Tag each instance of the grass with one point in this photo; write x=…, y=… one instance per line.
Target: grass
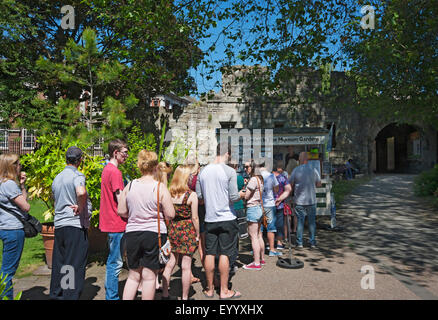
x=33, y=254
x=344, y=187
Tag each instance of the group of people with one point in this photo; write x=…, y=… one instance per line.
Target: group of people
x=198, y=209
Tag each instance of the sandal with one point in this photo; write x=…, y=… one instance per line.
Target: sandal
x=234, y=296
x=207, y=295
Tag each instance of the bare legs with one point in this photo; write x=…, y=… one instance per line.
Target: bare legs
x=186, y=267
x=146, y=277
x=258, y=245
x=224, y=269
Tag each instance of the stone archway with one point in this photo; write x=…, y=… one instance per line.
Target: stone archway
x=395, y=148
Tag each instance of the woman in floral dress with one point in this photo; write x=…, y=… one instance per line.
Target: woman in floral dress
x=183, y=230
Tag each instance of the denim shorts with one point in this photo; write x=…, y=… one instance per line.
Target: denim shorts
x=254, y=214
x=272, y=219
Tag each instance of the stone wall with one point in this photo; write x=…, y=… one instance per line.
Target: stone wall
x=235, y=104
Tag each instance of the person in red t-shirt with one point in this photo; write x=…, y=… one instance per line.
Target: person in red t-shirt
x=109, y=221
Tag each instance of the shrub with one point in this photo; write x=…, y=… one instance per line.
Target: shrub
x=137, y=141
x=3, y=289
x=44, y=164
x=426, y=183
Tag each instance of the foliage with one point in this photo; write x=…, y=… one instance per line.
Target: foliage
x=147, y=39
x=426, y=183
x=137, y=141
x=395, y=66
x=84, y=69
x=3, y=289
x=45, y=163
x=284, y=39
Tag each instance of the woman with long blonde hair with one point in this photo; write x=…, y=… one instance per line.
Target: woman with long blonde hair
x=13, y=199
x=183, y=230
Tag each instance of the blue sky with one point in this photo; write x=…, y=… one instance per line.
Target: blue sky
x=205, y=85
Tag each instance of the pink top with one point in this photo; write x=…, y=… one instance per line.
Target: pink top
x=142, y=207
x=109, y=220
x=253, y=185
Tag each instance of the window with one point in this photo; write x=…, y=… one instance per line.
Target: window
x=4, y=136
x=99, y=144
x=333, y=134
x=27, y=139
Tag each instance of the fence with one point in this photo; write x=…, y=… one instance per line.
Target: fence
x=16, y=146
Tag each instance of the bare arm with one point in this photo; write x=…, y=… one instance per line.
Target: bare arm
x=166, y=203
x=22, y=203
x=122, y=206
x=81, y=194
x=284, y=195
x=193, y=202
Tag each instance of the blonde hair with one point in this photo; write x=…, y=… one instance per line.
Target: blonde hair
x=163, y=169
x=179, y=183
x=147, y=161
x=8, y=169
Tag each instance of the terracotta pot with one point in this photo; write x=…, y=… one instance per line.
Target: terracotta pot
x=48, y=234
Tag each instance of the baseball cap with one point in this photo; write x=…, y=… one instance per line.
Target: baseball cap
x=73, y=154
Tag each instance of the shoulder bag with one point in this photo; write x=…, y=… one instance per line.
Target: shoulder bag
x=264, y=218
x=165, y=250
x=31, y=225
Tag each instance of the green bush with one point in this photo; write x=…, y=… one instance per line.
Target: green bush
x=426, y=183
x=3, y=289
x=137, y=141
x=44, y=164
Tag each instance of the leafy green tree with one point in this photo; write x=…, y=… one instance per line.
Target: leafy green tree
x=84, y=68
x=395, y=66
x=156, y=42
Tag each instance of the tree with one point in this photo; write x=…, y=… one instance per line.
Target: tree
x=84, y=68
x=156, y=42
x=284, y=39
x=395, y=66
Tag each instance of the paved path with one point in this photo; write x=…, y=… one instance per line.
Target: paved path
x=385, y=227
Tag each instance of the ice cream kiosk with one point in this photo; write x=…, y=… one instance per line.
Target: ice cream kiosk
x=289, y=142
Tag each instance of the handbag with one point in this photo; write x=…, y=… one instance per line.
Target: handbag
x=165, y=250
x=31, y=225
x=264, y=218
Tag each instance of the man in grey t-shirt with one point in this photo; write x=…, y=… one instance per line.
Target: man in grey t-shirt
x=217, y=185
x=304, y=180
x=72, y=219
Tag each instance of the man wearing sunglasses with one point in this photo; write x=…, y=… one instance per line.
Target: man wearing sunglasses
x=109, y=221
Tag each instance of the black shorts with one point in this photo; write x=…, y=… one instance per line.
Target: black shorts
x=221, y=237
x=142, y=249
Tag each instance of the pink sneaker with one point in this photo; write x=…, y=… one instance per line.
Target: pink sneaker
x=262, y=262
x=252, y=266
